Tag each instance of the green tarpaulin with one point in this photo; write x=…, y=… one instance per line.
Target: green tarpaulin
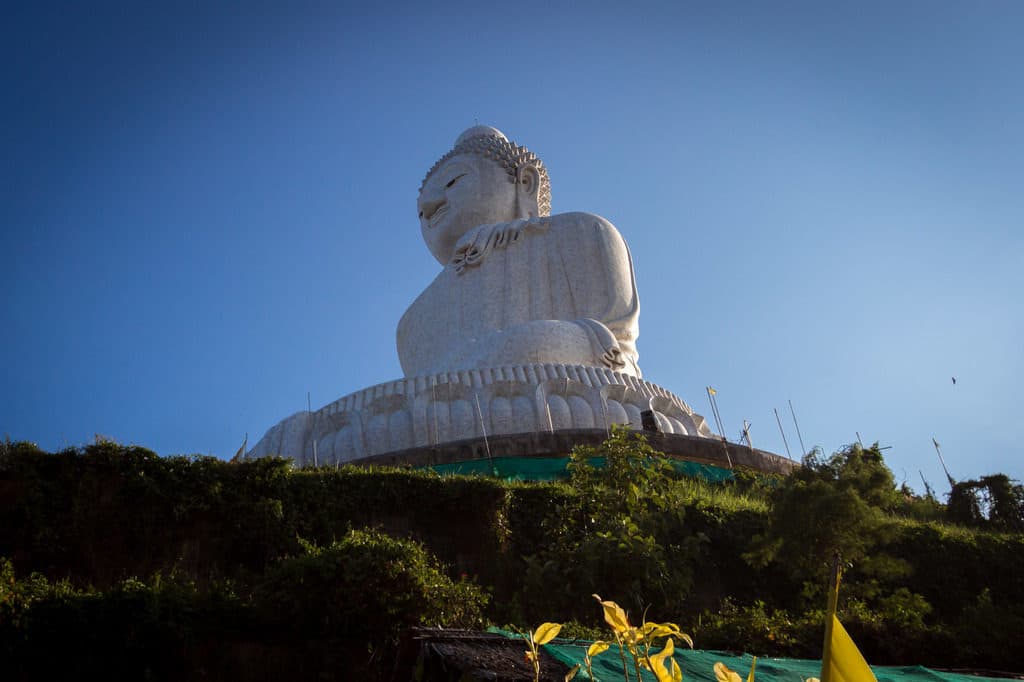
x=698, y=666
x=554, y=468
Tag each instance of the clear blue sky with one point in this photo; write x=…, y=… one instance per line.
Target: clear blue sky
x=208, y=209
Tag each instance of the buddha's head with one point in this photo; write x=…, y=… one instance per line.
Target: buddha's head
x=483, y=179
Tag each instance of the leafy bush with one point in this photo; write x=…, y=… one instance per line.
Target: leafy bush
x=330, y=606
x=988, y=632
x=134, y=630
x=240, y=589
x=995, y=502
x=368, y=586
x=834, y=506
x=758, y=627
x=621, y=531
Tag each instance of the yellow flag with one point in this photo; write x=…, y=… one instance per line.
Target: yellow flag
x=712, y=391
x=843, y=660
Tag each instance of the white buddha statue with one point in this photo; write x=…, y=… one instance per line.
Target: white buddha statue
x=519, y=286
x=529, y=328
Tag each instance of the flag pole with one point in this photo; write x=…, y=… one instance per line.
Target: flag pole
x=433, y=404
x=607, y=426
x=938, y=452
x=830, y=618
x=746, y=434
x=784, y=441
x=309, y=408
x=547, y=409
x=483, y=429
x=803, y=450
x=714, y=411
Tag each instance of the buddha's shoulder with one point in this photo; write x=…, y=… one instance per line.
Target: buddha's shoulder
x=581, y=218
x=582, y=223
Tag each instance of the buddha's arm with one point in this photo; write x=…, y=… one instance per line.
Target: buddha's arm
x=593, y=293
x=568, y=342
x=606, y=290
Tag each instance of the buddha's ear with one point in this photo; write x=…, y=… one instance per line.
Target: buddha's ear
x=527, y=187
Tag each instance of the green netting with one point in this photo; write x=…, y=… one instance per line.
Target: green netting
x=698, y=666
x=554, y=468
x=509, y=468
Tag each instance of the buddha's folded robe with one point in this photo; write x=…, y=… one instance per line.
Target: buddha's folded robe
x=558, y=289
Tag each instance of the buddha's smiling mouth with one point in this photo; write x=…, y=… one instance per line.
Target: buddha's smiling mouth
x=438, y=214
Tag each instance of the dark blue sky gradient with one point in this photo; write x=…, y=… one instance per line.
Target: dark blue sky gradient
x=208, y=208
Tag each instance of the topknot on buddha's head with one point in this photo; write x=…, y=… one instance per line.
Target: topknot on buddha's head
x=491, y=143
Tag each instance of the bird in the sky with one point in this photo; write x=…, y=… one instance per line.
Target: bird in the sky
x=954, y=381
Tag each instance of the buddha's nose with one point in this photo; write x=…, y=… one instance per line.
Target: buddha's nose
x=429, y=202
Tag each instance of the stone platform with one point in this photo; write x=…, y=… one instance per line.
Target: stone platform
x=435, y=410
x=713, y=451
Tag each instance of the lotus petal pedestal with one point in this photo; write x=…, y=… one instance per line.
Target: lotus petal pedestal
x=442, y=408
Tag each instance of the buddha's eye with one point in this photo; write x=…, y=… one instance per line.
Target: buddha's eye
x=453, y=180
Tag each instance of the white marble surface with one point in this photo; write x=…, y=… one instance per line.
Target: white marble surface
x=518, y=285
x=440, y=408
x=551, y=290
x=531, y=325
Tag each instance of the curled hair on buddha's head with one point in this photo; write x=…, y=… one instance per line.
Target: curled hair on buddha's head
x=491, y=143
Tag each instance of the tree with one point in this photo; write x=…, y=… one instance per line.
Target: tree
x=832, y=505
x=858, y=469
x=995, y=502
x=620, y=532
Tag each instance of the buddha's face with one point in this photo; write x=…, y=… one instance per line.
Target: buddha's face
x=466, y=191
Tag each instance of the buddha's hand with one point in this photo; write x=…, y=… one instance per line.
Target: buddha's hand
x=605, y=343
x=466, y=256
x=474, y=246
x=612, y=358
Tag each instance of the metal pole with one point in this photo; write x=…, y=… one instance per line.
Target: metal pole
x=547, y=409
x=746, y=433
x=433, y=404
x=803, y=450
x=607, y=428
x=483, y=428
x=943, y=462
x=718, y=415
x=830, y=615
x=309, y=408
x=784, y=441
x=715, y=413
x=714, y=416
x=927, y=488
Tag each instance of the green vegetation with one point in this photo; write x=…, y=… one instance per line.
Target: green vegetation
x=180, y=567
x=622, y=527
x=993, y=502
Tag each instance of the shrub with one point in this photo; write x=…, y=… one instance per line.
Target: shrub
x=620, y=532
x=995, y=502
x=368, y=586
x=134, y=630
